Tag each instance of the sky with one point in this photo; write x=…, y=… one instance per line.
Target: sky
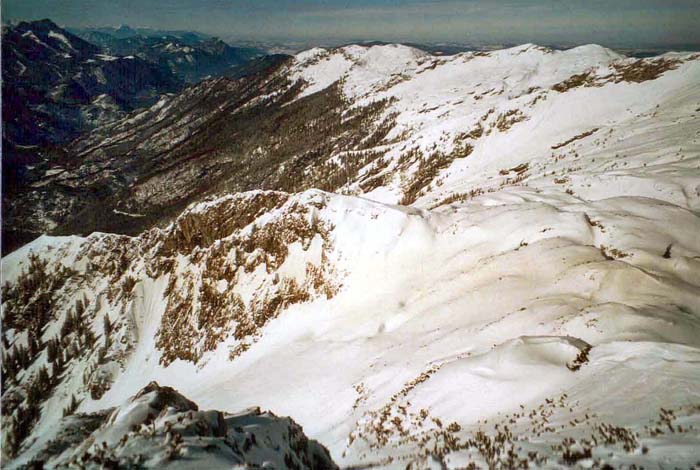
x=612, y=22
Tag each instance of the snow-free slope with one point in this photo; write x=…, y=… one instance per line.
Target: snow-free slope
x=534, y=301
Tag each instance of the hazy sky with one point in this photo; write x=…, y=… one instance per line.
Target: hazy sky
x=612, y=22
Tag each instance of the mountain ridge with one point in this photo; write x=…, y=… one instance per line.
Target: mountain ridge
x=366, y=91
x=488, y=259
x=42, y=60
x=191, y=57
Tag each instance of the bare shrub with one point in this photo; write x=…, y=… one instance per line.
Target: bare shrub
x=427, y=170
x=506, y=120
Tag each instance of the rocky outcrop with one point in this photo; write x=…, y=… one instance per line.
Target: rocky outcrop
x=160, y=428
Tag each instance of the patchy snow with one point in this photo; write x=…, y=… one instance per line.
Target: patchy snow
x=60, y=37
x=436, y=100
x=30, y=34
x=106, y=57
x=128, y=214
x=321, y=68
x=54, y=171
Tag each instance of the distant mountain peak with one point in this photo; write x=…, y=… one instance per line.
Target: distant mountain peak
x=38, y=25
x=125, y=28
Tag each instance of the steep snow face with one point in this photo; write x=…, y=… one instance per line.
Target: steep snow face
x=536, y=300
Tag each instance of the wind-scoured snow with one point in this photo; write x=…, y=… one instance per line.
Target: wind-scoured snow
x=436, y=99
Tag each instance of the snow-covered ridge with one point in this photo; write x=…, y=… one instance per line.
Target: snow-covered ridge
x=390, y=120
x=525, y=101
x=365, y=69
x=542, y=274
x=418, y=309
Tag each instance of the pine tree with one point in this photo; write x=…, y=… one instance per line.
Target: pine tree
x=33, y=393
x=79, y=310
x=22, y=357
x=74, y=350
x=43, y=379
x=8, y=375
x=101, y=355
x=90, y=338
x=12, y=439
x=52, y=349
x=72, y=406
x=56, y=371
x=106, y=325
x=68, y=325
x=33, y=345
x=60, y=361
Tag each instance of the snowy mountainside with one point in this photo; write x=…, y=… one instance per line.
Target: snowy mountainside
x=499, y=103
x=384, y=121
x=512, y=278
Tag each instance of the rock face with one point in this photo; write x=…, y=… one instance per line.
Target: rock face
x=501, y=270
x=160, y=428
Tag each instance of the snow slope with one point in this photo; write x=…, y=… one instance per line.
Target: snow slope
x=441, y=102
x=535, y=301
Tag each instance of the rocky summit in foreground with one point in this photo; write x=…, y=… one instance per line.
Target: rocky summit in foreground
x=487, y=260
x=159, y=428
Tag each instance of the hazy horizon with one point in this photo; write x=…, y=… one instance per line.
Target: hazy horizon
x=626, y=23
